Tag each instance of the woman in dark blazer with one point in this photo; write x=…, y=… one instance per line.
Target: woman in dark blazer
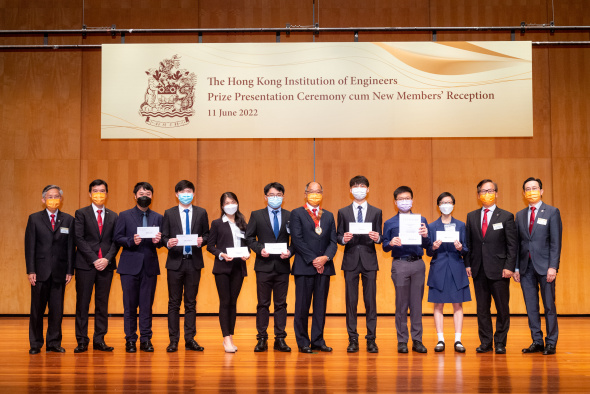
x=228, y=232
x=447, y=278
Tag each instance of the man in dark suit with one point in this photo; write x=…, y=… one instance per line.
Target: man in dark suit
x=49, y=254
x=539, y=251
x=94, y=228
x=360, y=258
x=184, y=264
x=138, y=267
x=492, y=243
x=313, y=234
x=269, y=225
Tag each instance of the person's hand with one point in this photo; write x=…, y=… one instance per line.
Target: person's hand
x=245, y=257
x=264, y=253
x=507, y=273
x=423, y=230
x=286, y=254
x=136, y=239
x=436, y=244
x=347, y=237
x=172, y=242
x=551, y=275
x=32, y=278
x=157, y=238
x=101, y=264
x=68, y=278
x=320, y=261
x=320, y=270
x=199, y=242
x=397, y=241
x=516, y=277
x=226, y=257
x=458, y=245
x=374, y=235
x=468, y=269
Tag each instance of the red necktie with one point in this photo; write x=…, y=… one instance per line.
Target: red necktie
x=314, y=210
x=52, y=221
x=532, y=221
x=99, y=219
x=484, y=224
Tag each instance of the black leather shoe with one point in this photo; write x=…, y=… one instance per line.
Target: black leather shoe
x=417, y=346
x=372, y=346
x=549, y=349
x=130, y=347
x=281, y=345
x=81, y=348
x=353, y=345
x=440, y=347
x=34, y=350
x=483, y=348
x=146, y=346
x=262, y=345
x=402, y=347
x=322, y=348
x=534, y=348
x=103, y=347
x=500, y=348
x=305, y=349
x=459, y=348
x=173, y=347
x=193, y=345
x=55, y=349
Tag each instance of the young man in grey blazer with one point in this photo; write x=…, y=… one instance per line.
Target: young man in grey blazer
x=539, y=250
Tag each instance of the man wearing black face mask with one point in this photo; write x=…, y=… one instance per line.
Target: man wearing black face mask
x=138, y=266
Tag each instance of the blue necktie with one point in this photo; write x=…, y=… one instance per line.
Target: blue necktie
x=145, y=219
x=187, y=248
x=275, y=224
x=359, y=218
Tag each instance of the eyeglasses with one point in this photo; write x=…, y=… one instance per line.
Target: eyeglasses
x=487, y=191
x=532, y=189
x=314, y=191
x=275, y=195
x=404, y=199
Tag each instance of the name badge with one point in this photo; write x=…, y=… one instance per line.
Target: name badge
x=542, y=221
x=498, y=226
x=64, y=230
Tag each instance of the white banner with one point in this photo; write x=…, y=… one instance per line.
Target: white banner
x=317, y=90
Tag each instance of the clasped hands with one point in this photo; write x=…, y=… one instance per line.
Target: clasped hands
x=374, y=235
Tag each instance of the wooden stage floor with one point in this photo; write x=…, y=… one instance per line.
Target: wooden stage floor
x=246, y=371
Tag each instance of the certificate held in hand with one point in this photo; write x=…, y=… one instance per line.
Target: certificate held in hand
x=238, y=252
x=409, y=227
x=148, y=232
x=275, y=248
x=360, y=228
x=187, y=239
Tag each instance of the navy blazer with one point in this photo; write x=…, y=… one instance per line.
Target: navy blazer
x=309, y=245
x=134, y=257
x=50, y=252
x=89, y=239
x=361, y=246
x=447, y=257
x=543, y=244
x=221, y=238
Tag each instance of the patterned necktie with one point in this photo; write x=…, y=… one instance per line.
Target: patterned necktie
x=53, y=221
x=275, y=223
x=187, y=248
x=99, y=220
x=359, y=218
x=484, y=224
x=532, y=221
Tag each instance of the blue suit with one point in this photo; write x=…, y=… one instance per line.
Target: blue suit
x=138, y=268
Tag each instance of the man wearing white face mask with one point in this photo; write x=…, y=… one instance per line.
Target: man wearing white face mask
x=407, y=272
x=360, y=258
x=184, y=263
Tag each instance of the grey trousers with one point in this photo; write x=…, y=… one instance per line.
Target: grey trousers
x=408, y=279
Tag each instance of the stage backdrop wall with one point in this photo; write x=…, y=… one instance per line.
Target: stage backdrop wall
x=50, y=133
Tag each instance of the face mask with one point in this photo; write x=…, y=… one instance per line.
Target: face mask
x=144, y=201
x=487, y=198
x=99, y=198
x=315, y=199
x=446, y=209
x=52, y=203
x=404, y=205
x=185, y=198
x=533, y=196
x=275, y=201
x=230, y=209
x=359, y=193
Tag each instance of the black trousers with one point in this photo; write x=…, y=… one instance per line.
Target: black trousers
x=532, y=283
x=369, y=279
x=308, y=287
x=138, y=292
x=46, y=293
x=275, y=285
x=185, y=280
x=499, y=290
x=228, y=289
x=86, y=281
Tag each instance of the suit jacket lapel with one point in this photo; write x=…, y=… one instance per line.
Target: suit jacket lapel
x=194, y=220
x=58, y=219
x=266, y=218
x=539, y=214
x=45, y=219
x=95, y=220
x=493, y=219
x=524, y=223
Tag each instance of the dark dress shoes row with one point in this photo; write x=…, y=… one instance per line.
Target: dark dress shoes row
x=322, y=348
x=81, y=348
x=173, y=347
x=281, y=345
x=55, y=349
x=103, y=347
x=193, y=345
x=146, y=346
x=353, y=345
x=534, y=348
x=262, y=345
x=402, y=347
x=549, y=349
x=130, y=347
x=305, y=349
x=419, y=347
x=500, y=348
x=483, y=348
x=372, y=346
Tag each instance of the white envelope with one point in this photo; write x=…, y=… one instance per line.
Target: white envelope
x=148, y=232
x=187, y=239
x=238, y=252
x=360, y=228
x=447, y=236
x=276, y=248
